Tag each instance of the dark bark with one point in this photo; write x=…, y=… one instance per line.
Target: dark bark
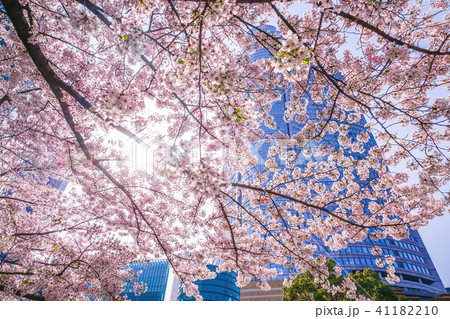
x=95, y=10
x=26, y=296
x=15, y=12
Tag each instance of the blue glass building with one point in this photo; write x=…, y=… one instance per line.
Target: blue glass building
x=161, y=284
x=413, y=263
x=221, y=288
x=154, y=274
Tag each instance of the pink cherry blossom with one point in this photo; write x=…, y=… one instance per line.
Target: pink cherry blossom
x=76, y=83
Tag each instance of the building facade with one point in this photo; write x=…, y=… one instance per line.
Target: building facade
x=418, y=276
x=158, y=279
x=221, y=288
x=161, y=284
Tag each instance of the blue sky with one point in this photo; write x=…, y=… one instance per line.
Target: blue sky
x=436, y=236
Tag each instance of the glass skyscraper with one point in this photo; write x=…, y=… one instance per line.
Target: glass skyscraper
x=154, y=274
x=221, y=288
x=161, y=284
x=418, y=276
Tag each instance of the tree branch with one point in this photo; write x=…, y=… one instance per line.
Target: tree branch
x=18, y=293
x=386, y=36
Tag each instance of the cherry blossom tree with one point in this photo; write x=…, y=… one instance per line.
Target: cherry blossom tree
x=75, y=74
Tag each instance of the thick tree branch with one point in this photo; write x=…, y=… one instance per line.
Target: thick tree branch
x=95, y=10
x=386, y=36
x=15, y=13
x=348, y=17
x=26, y=296
x=323, y=209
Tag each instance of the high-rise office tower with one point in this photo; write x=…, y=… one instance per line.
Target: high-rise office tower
x=158, y=280
x=418, y=276
x=221, y=288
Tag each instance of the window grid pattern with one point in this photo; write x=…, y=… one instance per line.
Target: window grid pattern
x=221, y=288
x=154, y=274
